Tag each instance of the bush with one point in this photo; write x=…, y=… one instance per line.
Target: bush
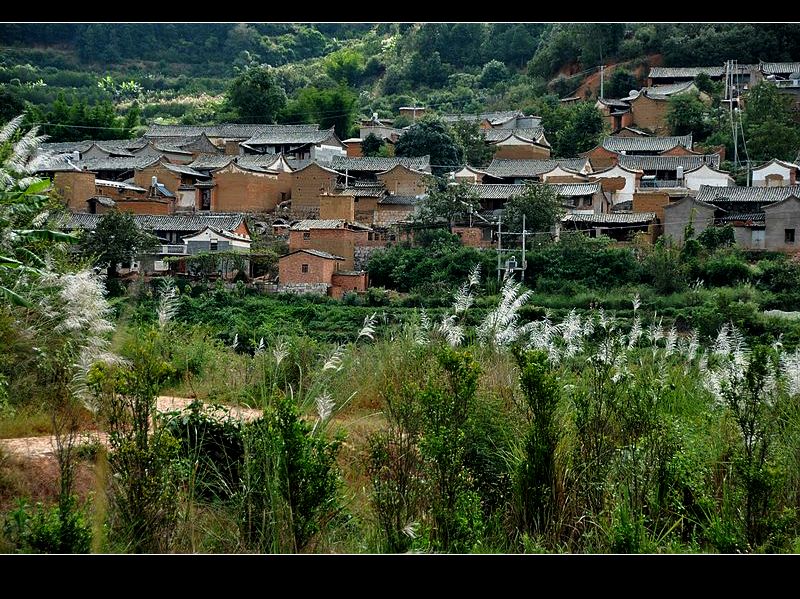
x=725, y=267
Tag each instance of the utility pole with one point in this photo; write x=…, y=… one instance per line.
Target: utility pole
x=500, y=265
x=602, y=70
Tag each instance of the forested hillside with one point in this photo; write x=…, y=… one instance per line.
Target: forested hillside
x=102, y=80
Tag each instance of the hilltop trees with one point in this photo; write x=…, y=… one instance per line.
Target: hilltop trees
x=255, y=96
x=431, y=137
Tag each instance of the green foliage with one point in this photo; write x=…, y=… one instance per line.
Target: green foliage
x=687, y=114
x=116, y=239
x=62, y=528
x=768, y=124
x=535, y=475
x=446, y=202
x=541, y=206
x=371, y=145
x=333, y=107
x=431, y=137
x=256, y=97
x=345, y=66
x=620, y=84
x=469, y=136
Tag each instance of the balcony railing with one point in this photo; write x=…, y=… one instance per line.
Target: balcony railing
x=787, y=83
x=171, y=249
x=660, y=183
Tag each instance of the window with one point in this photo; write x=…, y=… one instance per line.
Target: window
x=214, y=245
x=788, y=235
x=304, y=268
x=307, y=235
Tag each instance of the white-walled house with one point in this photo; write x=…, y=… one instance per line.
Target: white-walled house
x=707, y=175
x=775, y=173
x=618, y=194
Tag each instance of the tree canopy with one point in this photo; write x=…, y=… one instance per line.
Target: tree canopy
x=256, y=97
x=540, y=204
x=116, y=239
x=432, y=137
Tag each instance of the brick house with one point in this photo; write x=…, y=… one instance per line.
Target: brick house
x=403, y=180
x=607, y=153
x=676, y=171
x=649, y=106
x=240, y=188
x=782, y=225
x=337, y=237
x=515, y=147
x=316, y=271
x=309, y=184
x=619, y=182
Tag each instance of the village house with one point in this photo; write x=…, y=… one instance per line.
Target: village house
x=179, y=235
x=315, y=271
x=335, y=236
x=618, y=182
x=519, y=171
x=686, y=171
x=621, y=226
x=745, y=208
x=649, y=106
x=775, y=173
x=299, y=141
x=616, y=113
x=503, y=119
x=607, y=153
x=518, y=144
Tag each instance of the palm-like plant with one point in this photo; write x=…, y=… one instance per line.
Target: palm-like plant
x=22, y=200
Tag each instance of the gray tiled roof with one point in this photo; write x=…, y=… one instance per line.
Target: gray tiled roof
x=494, y=191
x=257, y=161
x=184, y=170
x=684, y=72
x=100, y=164
x=779, y=68
x=210, y=162
x=762, y=195
x=286, y=135
x=530, y=168
x=742, y=216
x=379, y=164
x=172, y=222
x=372, y=190
x=664, y=91
x=400, y=200
x=493, y=117
x=318, y=253
x=333, y=223
x=116, y=151
x=491, y=135
x=230, y=130
x=611, y=218
x=668, y=163
x=646, y=144
x=613, y=103
x=118, y=185
x=82, y=146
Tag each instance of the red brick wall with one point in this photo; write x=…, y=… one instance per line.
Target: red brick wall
x=336, y=207
x=239, y=190
x=601, y=158
x=308, y=184
x=170, y=180
x=344, y=283
x=320, y=270
x=75, y=188
x=678, y=151
x=526, y=152
x=354, y=149
x=650, y=114
x=472, y=237
x=339, y=242
x=403, y=182
x=143, y=206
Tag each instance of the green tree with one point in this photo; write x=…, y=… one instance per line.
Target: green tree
x=686, y=114
x=768, y=126
x=469, y=136
x=620, y=84
x=345, y=66
x=431, y=137
x=11, y=104
x=256, y=97
x=116, y=239
x=447, y=201
x=583, y=129
x=371, y=145
x=334, y=107
x=493, y=72
x=539, y=203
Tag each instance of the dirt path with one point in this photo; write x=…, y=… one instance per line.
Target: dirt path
x=39, y=447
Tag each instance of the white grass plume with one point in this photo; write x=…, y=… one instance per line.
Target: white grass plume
x=368, y=329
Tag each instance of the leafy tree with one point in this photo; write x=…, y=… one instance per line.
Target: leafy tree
x=540, y=204
x=469, y=136
x=345, y=66
x=620, y=84
x=427, y=70
x=116, y=239
x=431, y=137
x=768, y=126
x=132, y=119
x=371, y=145
x=493, y=72
x=687, y=114
x=256, y=97
x=11, y=104
x=447, y=201
x=329, y=107
x=581, y=131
